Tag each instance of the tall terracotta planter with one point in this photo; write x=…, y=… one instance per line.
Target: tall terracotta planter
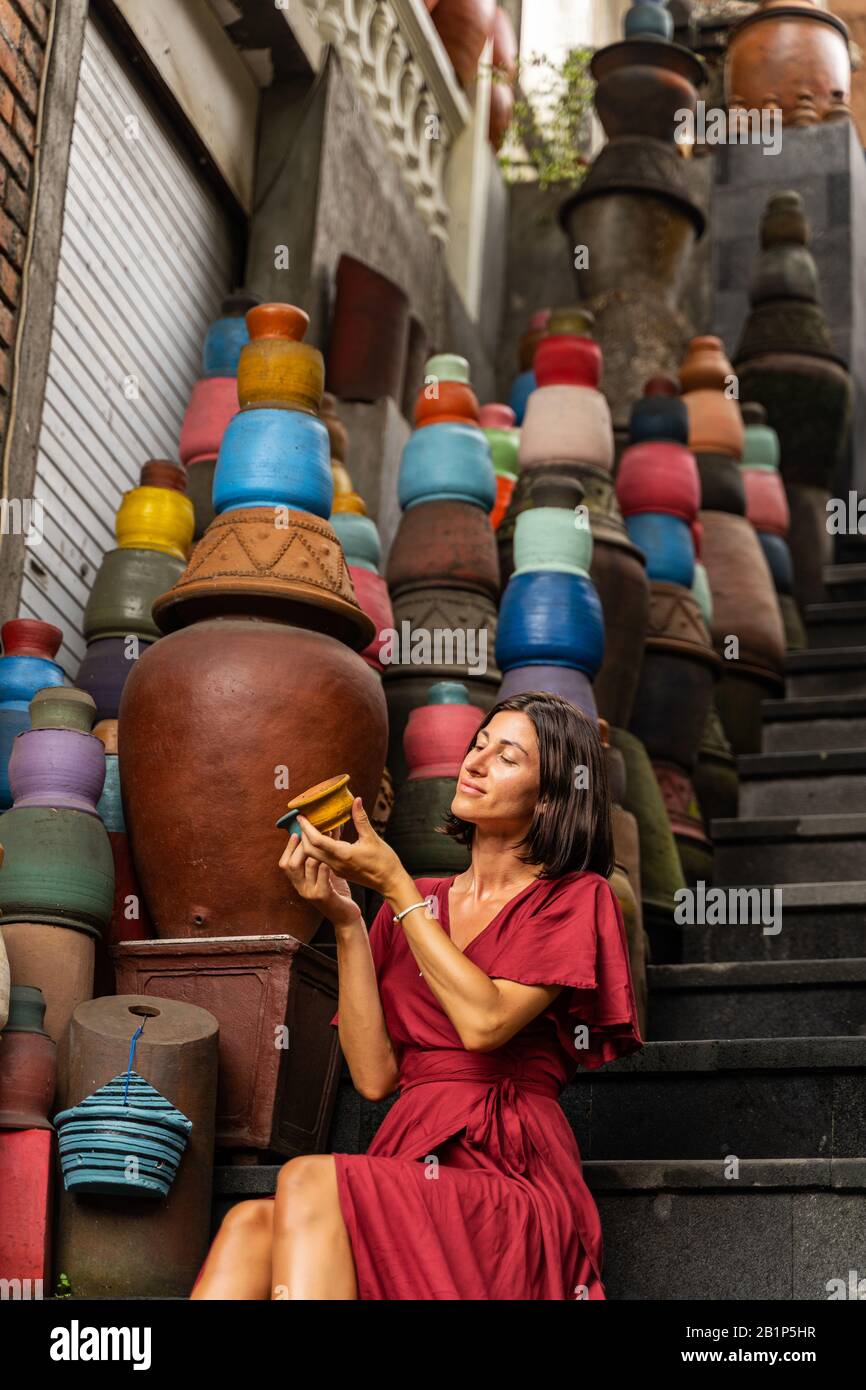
x=792, y=55
x=464, y=27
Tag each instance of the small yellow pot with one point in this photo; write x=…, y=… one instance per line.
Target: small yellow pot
x=327, y=805
x=155, y=518
x=349, y=502
x=277, y=370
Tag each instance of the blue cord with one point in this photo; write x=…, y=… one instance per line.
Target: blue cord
x=135, y=1037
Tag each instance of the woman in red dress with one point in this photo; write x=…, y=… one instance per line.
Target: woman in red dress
x=478, y=997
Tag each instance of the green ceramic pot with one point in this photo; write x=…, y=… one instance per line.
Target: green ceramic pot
x=58, y=868
x=60, y=707
x=419, y=809
x=661, y=873
x=124, y=590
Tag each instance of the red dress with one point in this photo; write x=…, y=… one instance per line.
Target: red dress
x=472, y=1187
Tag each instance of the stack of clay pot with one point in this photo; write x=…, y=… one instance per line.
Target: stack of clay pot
x=57, y=878
x=525, y=383
x=551, y=628
x=498, y=423
x=747, y=626
x=26, y=666
x=566, y=436
x=504, y=57
x=464, y=27
x=786, y=362
x=443, y=569
x=659, y=491
x=626, y=877
x=767, y=509
x=154, y=527
x=635, y=213
x=791, y=55
x=436, y=738
x=129, y=919
x=359, y=537
x=259, y=670
x=213, y=402
x=28, y=1073
x=258, y=692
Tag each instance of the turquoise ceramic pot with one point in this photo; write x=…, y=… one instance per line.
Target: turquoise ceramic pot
x=359, y=538
x=20, y=678
x=109, y=808
x=667, y=543
x=522, y=388
x=649, y=20
x=702, y=593
x=274, y=458
x=552, y=538
x=222, y=346
x=97, y=1138
x=449, y=462
x=550, y=619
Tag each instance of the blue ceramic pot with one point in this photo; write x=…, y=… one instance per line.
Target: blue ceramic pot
x=222, y=346
x=274, y=458
x=449, y=462
x=779, y=559
x=667, y=543
x=448, y=693
x=98, y=1137
x=555, y=680
x=110, y=807
x=20, y=678
x=649, y=21
x=550, y=619
x=360, y=540
x=659, y=418
x=521, y=389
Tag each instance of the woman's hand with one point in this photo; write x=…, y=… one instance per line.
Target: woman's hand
x=314, y=881
x=368, y=862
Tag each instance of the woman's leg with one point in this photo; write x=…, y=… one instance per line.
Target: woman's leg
x=312, y=1251
x=238, y=1265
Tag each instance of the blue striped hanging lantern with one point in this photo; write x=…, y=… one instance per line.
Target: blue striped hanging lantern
x=124, y=1140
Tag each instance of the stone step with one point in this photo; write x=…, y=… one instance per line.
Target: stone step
x=778, y=1228
x=802, y=783
x=836, y=624
x=814, y=724
x=789, y=849
x=820, y=921
x=837, y=671
x=845, y=582
x=750, y=999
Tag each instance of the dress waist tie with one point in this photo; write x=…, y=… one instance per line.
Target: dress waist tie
x=494, y=1121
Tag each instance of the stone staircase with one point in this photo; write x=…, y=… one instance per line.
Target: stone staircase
x=728, y=1158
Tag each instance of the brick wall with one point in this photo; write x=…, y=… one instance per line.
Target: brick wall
x=23, y=29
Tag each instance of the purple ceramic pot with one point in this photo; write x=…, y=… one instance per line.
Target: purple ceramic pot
x=57, y=767
x=104, y=670
x=555, y=680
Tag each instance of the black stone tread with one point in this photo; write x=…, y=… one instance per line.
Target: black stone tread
x=826, y=659
x=760, y=974
x=814, y=707
x=845, y=611
x=636, y=1174
x=840, y=827
x=844, y=574
x=798, y=764
x=740, y=1055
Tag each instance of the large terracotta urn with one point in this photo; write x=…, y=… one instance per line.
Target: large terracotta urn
x=464, y=27
x=258, y=692
x=791, y=55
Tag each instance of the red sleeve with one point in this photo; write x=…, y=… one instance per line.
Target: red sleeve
x=577, y=938
x=378, y=937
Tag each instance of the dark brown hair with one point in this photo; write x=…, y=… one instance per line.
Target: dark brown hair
x=571, y=828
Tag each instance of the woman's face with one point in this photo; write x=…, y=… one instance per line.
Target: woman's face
x=498, y=783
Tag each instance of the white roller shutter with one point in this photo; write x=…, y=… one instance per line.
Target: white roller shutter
x=146, y=256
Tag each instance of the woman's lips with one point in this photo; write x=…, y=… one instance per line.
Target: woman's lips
x=469, y=789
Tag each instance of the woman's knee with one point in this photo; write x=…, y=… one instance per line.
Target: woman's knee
x=306, y=1189
x=251, y=1218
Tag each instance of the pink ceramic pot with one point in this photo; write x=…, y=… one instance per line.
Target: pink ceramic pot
x=212, y=404
x=567, y=424
x=659, y=476
x=436, y=738
x=371, y=591
x=766, y=501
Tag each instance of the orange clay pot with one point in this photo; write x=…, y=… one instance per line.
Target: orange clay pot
x=792, y=55
x=456, y=403
x=715, y=421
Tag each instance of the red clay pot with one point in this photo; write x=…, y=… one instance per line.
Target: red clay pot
x=791, y=54
x=163, y=473
x=371, y=591
x=444, y=545
x=30, y=637
x=766, y=501
x=455, y=403
x=436, y=738
x=464, y=27
x=369, y=334
x=212, y=404
x=659, y=476
x=567, y=359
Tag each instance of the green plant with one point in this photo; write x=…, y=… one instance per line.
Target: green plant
x=64, y=1287
x=554, y=126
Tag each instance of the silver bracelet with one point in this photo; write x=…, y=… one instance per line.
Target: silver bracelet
x=400, y=915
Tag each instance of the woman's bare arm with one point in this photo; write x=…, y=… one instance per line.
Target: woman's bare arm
x=364, y=1037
